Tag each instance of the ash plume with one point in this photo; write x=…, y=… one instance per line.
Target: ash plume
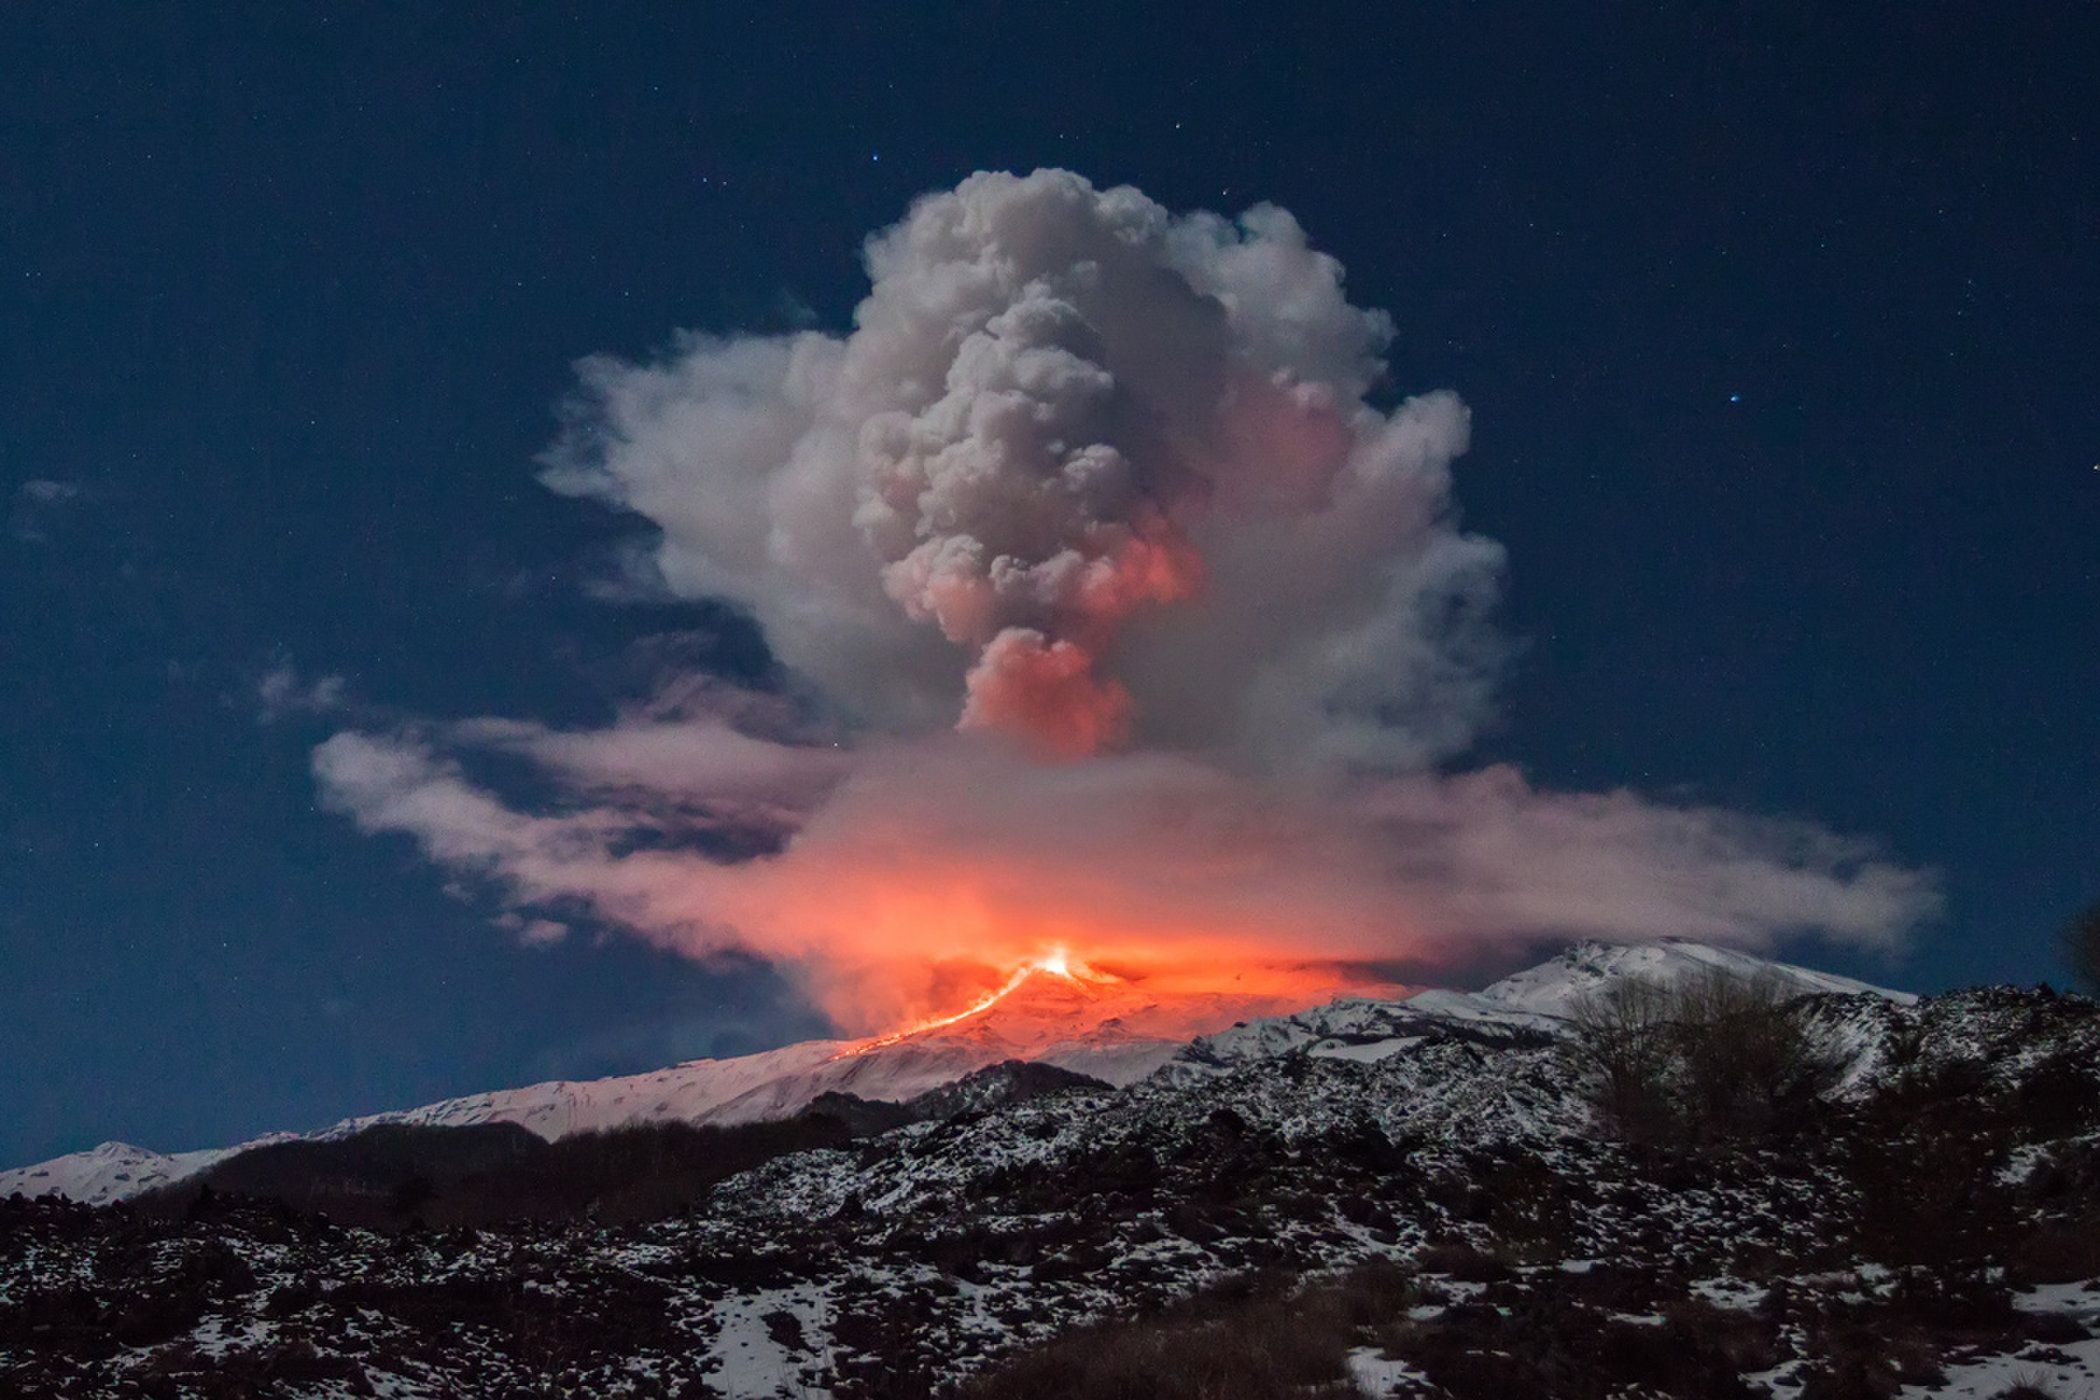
x=1148, y=630
x=1083, y=472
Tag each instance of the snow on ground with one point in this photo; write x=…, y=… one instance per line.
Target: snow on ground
x=115, y=1171
x=2075, y=1377
x=2067, y=1370
x=936, y=1248
x=1555, y=988
x=1376, y=1375
x=750, y=1361
x=1365, y=1054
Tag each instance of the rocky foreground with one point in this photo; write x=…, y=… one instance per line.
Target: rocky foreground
x=1375, y=1198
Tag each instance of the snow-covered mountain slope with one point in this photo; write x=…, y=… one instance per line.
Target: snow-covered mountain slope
x=1056, y=1019
x=1554, y=988
x=1938, y=1221
x=1361, y=1029
x=1934, y=1215
x=112, y=1172
x=1092, y=1025
x=697, y=1091
x=1089, y=1025
x=1532, y=1006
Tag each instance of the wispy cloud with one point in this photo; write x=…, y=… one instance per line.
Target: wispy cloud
x=281, y=692
x=875, y=874
x=38, y=506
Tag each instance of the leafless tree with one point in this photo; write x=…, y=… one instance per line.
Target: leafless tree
x=2081, y=939
x=1710, y=1057
x=1747, y=1053
x=1624, y=1033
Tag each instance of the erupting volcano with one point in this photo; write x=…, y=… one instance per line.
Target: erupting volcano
x=1054, y=964
x=1056, y=999
x=1123, y=638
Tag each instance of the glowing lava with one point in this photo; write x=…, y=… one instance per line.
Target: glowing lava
x=1056, y=964
x=1056, y=999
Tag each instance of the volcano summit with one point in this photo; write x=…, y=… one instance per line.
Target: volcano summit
x=1069, y=1017
x=1427, y=1196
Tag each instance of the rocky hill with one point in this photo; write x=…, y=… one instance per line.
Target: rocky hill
x=1090, y=1024
x=1409, y=1197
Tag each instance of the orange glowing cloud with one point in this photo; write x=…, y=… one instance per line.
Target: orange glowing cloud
x=930, y=871
x=1047, y=693
x=1144, y=638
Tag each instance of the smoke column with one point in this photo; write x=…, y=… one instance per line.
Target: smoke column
x=1154, y=635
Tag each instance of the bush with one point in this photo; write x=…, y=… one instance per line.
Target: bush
x=2056, y=1251
x=1712, y=1058
x=2081, y=944
x=1249, y=1339
x=1252, y=1336
x=1625, y=1035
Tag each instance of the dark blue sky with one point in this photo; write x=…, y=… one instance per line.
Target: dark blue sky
x=1778, y=327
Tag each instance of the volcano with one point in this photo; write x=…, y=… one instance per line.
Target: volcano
x=1384, y=1159
x=1055, y=1011
x=1059, y=1010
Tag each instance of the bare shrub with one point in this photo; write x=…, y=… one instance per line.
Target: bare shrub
x=1624, y=1034
x=1461, y=1260
x=1710, y=1058
x=2081, y=946
x=1244, y=1341
x=1746, y=1054
x=2056, y=1251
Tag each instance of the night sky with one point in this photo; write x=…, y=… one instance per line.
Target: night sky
x=1778, y=326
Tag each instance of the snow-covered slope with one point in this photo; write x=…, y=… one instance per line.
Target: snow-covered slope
x=697, y=1091
x=114, y=1171
x=1051, y=1018
x=1357, y=1028
x=1093, y=1026
x=1520, y=1250
x=1555, y=988
x=1529, y=1006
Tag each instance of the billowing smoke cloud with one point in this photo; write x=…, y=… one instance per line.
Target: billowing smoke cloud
x=1152, y=627
x=1084, y=472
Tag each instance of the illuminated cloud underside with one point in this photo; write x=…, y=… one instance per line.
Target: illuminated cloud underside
x=1157, y=636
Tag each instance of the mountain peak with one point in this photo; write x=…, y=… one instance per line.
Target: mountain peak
x=1555, y=987
x=1058, y=1001
x=1056, y=1011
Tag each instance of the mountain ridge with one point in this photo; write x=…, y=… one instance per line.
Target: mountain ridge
x=1087, y=1025
x=1922, y=1219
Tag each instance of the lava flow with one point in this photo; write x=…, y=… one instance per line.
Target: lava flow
x=1055, y=964
x=1057, y=999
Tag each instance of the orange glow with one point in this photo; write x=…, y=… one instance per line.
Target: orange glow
x=903, y=939
x=940, y=872
x=934, y=1023
x=1055, y=963
x=1055, y=997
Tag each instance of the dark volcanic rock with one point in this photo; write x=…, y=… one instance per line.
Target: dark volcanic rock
x=1938, y=1208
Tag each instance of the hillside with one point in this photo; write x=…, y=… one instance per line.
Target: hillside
x=1092, y=1026
x=1089, y=1025
x=1422, y=1190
